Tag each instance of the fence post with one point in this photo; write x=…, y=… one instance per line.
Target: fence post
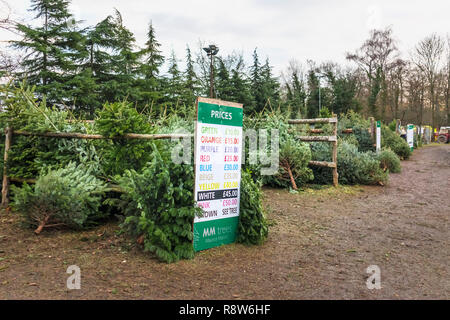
x=334, y=156
x=5, y=183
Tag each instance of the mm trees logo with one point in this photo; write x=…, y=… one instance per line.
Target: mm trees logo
x=207, y=232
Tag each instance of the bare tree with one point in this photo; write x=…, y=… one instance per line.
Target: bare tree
x=376, y=52
x=8, y=62
x=375, y=58
x=415, y=93
x=294, y=87
x=427, y=56
x=447, y=85
x=6, y=22
x=395, y=84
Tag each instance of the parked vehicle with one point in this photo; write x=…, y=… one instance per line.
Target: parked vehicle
x=443, y=136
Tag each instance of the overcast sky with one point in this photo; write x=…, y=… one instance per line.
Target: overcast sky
x=281, y=30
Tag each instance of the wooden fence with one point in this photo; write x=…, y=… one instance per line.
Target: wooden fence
x=9, y=132
x=332, y=139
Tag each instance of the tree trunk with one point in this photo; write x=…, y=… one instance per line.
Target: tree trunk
x=44, y=66
x=291, y=177
x=433, y=107
x=42, y=225
x=5, y=183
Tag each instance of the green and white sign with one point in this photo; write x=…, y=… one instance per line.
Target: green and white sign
x=410, y=136
x=378, y=136
x=218, y=149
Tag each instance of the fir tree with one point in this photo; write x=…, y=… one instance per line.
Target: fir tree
x=256, y=85
x=296, y=94
x=270, y=85
x=125, y=64
x=313, y=95
x=99, y=65
x=240, y=86
x=52, y=50
x=344, y=90
x=223, y=85
x=191, y=86
x=83, y=93
x=112, y=61
x=152, y=59
x=173, y=85
x=264, y=87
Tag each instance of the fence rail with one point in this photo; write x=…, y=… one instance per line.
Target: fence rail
x=74, y=135
x=111, y=187
x=317, y=138
x=323, y=164
x=9, y=132
x=345, y=131
x=317, y=120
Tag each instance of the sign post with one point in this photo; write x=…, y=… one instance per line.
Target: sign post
x=410, y=136
x=217, y=154
x=378, y=136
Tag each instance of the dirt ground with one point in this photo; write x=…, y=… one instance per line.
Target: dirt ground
x=321, y=242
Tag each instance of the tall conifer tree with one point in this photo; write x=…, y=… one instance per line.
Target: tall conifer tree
x=191, y=86
x=53, y=50
x=149, y=81
x=173, y=87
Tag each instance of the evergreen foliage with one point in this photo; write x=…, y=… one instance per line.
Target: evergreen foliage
x=360, y=127
x=354, y=167
x=152, y=59
x=344, y=87
x=389, y=161
x=253, y=227
x=52, y=50
x=365, y=141
x=296, y=95
x=263, y=86
x=159, y=207
x=69, y=196
x=294, y=170
x=173, y=85
x=190, y=83
x=312, y=102
x=294, y=155
x=390, y=139
x=119, y=118
x=29, y=155
x=119, y=154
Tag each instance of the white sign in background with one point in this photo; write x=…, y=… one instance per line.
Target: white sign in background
x=410, y=136
x=378, y=132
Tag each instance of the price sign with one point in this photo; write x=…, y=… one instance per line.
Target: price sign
x=410, y=136
x=218, y=149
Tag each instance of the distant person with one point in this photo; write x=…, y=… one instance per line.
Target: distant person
x=403, y=132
